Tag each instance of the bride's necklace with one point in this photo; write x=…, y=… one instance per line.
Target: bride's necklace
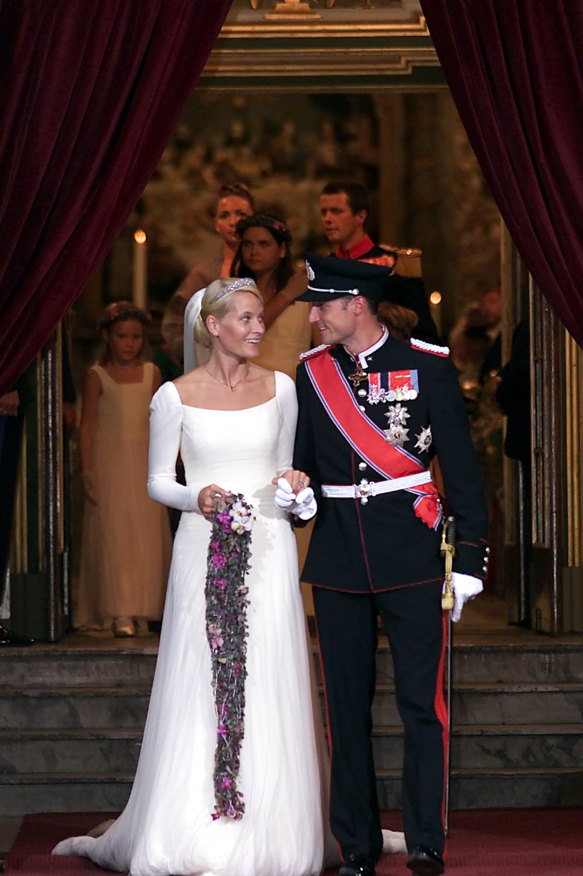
x=232, y=386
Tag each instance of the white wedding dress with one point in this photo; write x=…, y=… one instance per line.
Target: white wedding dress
x=166, y=827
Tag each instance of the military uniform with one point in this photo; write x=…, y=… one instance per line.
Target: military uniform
x=405, y=291
x=374, y=554
x=433, y=422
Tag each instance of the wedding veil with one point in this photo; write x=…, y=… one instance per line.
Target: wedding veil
x=194, y=354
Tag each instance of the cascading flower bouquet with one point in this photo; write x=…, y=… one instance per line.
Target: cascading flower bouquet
x=226, y=627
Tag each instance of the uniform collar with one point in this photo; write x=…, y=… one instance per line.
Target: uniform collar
x=361, y=358
x=356, y=251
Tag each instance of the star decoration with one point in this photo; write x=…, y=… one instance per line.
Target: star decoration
x=424, y=439
x=397, y=415
x=397, y=434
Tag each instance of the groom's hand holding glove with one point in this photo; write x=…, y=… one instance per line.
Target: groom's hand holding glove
x=302, y=505
x=465, y=587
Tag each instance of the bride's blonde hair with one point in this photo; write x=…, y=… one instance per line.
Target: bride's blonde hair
x=217, y=301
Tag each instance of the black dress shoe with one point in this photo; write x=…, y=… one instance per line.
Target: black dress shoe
x=425, y=862
x=9, y=639
x=357, y=865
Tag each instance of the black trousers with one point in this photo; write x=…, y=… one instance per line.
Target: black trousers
x=347, y=631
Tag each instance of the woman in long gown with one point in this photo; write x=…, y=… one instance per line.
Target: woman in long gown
x=233, y=424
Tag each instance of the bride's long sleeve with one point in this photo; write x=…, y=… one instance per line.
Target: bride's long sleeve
x=288, y=406
x=165, y=436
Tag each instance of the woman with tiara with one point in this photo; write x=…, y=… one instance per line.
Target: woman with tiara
x=233, y=424
x=228, y=781
x=264, y=255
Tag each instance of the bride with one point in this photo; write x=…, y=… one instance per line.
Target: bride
x=233, y=424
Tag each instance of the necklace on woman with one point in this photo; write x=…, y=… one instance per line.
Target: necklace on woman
x=232, y=386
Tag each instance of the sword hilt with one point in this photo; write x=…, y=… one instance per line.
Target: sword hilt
x=448, y=553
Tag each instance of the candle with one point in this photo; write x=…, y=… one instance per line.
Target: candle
x=435, y=308
x=140, y=289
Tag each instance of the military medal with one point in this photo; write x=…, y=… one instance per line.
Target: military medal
x=397, y=434
x=358, y=376
x=397, y=414
x=372, y=443
x=424, y=439
x=389, y=386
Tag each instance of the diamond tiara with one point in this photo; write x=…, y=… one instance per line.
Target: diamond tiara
x=239, y=283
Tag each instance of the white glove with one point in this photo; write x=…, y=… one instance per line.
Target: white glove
x=465, y=587
x=284, y=496
x=305, y=505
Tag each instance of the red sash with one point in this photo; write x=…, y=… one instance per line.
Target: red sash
x=367, y=439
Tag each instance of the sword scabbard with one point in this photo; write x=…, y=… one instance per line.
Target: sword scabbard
x=448, y=553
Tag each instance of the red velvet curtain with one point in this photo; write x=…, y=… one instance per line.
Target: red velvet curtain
x=515, y=72
x=90, y=92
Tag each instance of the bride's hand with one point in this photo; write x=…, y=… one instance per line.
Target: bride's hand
x=294, y=494
x=297, y=480
x=207, y=499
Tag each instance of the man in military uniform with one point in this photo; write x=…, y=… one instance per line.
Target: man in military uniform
x=344, y=210
x=373, y=411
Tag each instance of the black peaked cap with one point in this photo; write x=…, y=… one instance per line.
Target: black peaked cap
x=330, y=277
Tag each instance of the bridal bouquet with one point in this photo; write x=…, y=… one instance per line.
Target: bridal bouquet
x=226, y=628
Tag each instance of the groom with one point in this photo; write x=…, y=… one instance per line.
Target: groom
x=373, y=411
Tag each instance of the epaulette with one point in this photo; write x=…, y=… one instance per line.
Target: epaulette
x=315, y=351
x=426, y=347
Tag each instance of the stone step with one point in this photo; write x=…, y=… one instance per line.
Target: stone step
x=509, y=703
x=71, y=723
x=495, y=789
x=498, y=704
x=49, y=665
x=470, y=789
x=556, y=662
x=102, y=707
x=517, y=746
x=98, y=752
x=116, y=752
x=52, y=666
x=548, y=661
x=63, y=792
x=502, y=746
x=89, y=707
